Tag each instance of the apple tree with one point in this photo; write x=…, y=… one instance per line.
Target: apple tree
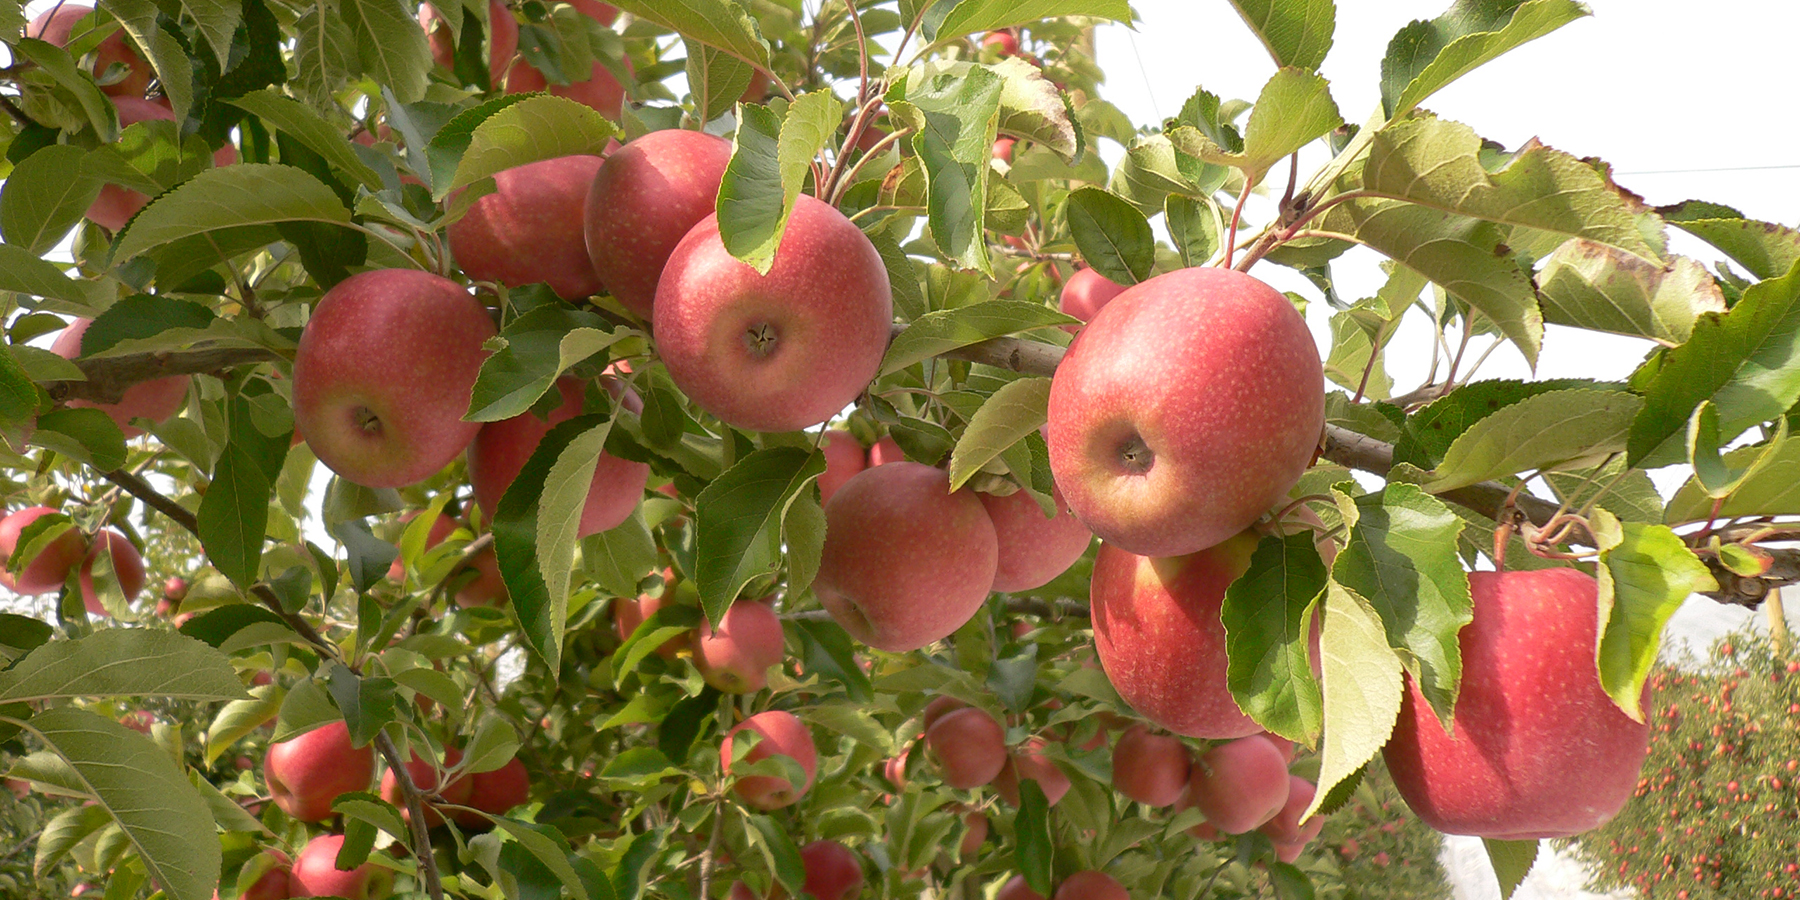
x=655, y=449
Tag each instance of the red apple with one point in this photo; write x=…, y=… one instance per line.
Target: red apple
x=975, y=832
x=496, y=792
x=1034, y=548
x=276, y=880
x=1030, y=764
x=316, y=873
x=1159, y=637
x=939, y=707
x=441, y=529
x=127, y=566
x=1150, y=768
x=885, y=451
x=139, y=720
x=833, y=871
x=628, y=614
x=1005, y=42
x=156, y=399
x=529, y=229
x=782, y=733
x=894, y=770
x=57, y=24
x=1003, y=151
x=1015, y=888
x=384, y=373
x=487, y=588
x=782, y=351
x=502, y=37
x=646, y=197
x=425, y=778
x=1090, y=885
x=116, y=205
x=175, y=588
x=500, y=450
x=306, y=773
x=51, y=568
x=1240, y=785
x=1283, y=744
x=906, y=562
x=599, y=91
x=1285, y=827
x=968, y=746
x=1537, y=749
x=1185, y=410
x=735, y=658
x=1083, y=295
x=843, y=459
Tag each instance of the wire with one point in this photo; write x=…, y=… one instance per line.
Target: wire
x=1726, y=169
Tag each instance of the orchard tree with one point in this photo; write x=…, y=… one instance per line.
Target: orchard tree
x=720, y=399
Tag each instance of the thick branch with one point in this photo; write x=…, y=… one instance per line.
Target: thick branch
x=108, y=377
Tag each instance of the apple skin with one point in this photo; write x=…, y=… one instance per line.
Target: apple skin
x=305, y=774
x=1185, y=410
x=488, y=588
x=529, y=229
x=737, y=656
x=502, y=37
x=1003, y=151
x=276, y=883
x=316, y=873
x=500, y=450
x=646, y=197
x=1090, y=885
x=51, y=568
x=496, y=792
x=938, y=708
x=1034, y=548
x=833, y=871
x=127, y=564
x=781, y=733
x=384, y=373
x=628, y=614
x=974, y=835
x=1005, y=42
x=1537, y=749
x=156, y=399
x=1150, y=768
x=1030, y=763
x=906, y=562
x=820, y=319
x=57, y=24
x=1240, y=785
x=844, y=457
x=441, y=529
x=1016, y=888
x=1084, y=294
x=600, y=91
x=885, y=451
x=425, y=777
x=1285, y=827
x=116, y=205
x=968, y=746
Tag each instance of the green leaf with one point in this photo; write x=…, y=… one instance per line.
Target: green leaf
x=241, y=717
x=391, y=45
x=161, y=814
x=1431, y=430
x=1588, y=285
x=1295, y=34
x=537, y=128
x=22, y=271
x=1646, y=572
x=369, y=703
x=1562, y=429
x=324, y=53
x=617, y=559
x=1771, y=486
x=174, y=69
x=140, y=318
x=1711, y=472
x=716, y=79
x=122, y=662
x=827, y=649
x=803, y=532
x=970, y=16
x=1195, y=228
x=542, y=616
x=539, y=346
x=83, y=434
x=1401, y=558
x=1294, y=109
x=1512, y=861
x=560, y=506
x=1112, y=235
x=548, y=846
x=309, y=128
x=19, y=399
x=770, y=162
x=1268, y=614
x=939, y=332
x=1764, y=248
x=717, y=23
x=56, y=62
x=1031, y=828
x=46, y=194
x=62, y=833
x=779, y=850
x=1033, y=108
x=494, y=745
x=217, y=20
x=954, y=116
x=738, y=519
x=1362, y=688
x=1425, y=56
x=234, y=514
x=229, y=197
x=1018, y=408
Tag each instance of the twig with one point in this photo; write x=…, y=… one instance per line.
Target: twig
x=415, y=810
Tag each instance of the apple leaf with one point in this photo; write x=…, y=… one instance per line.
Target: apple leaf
x=19, y=400
x=1032, y=108
x=665, y=624
x=954, y=118
x=1744, y=360
x=390, y=45
x=779, y=851
x=160, y=813
x=1150, y=173
x=1294, y=109
x=217, y=21
x=970, y=16
x=1196, y=227
x=1512, y=861
x=241, y=717
x=1711, y=472
x=542, y=615
x=1429, y=432
x=1646, y=572
x=1400, y=556
x=122, y=662
x=548, y=846
x=615, y=560
x=368, y=703
x=739, y=520
x=62, y=833
x=1362, y=688
x=1295, y=34
x=139, y=321
x=717, y=23
x=1425, y=56
x=534, y=129
x=537, y=348
x=1268, y=614
x=1547, y=430
x=939, y=332
x=1015, y=410
x=770, y=161
x=803, y=533
x=1769, y=487
x=560, y=506
x=716, y=79
x=48, y=193
x=1031, y=828
x=1112, y=236
x=309, y=128
x=1764, y=248
x=21, y=271
x=233, y=517
x=174, y=67
x=56, y=62
x=80, y=434
x=229, y=197
x=1588, y=285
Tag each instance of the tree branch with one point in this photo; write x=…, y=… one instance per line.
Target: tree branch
x=415, y=811
x=108, y=377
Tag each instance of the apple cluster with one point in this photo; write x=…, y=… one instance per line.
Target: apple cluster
x=62, y=550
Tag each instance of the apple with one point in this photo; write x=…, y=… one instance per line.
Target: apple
x=1034, y=548
x=1015, y=888
x=500, y=450
x=975, y=832
x=628, y=614
x=742, y=891
x=1029, y=763
x=1090, y=885
x=833, y=871
x=502, y=37
x=968, y=746
x=646, y=197
x=529, y=229
x=599, y=91
x=116, y=205
x=1185, y=410
x=939, y=707
x=1537, y=748
x=1240, y=785
x=1150, y=768
x=1005, y=42
x=487, y=588
x=425, y=777
x=441, y=529
x=843, y=459
x=175, y=588
x=894, y=770
x=1285, y=827
x=1159, y=637
x=1003, y=151
x=306, y=773
x=384, y=373
x=782, y=733
x=156, y=399
x=316, y=873
x=906, y=561
x=50, y=569
x=1283, y=744
x=140, y=721
x=782, y=351
x=1084, y=294
x=735, y=657
x=276, y=880
x=885, y=451
x=127, y=565
x=496, y=791
x=56, y=25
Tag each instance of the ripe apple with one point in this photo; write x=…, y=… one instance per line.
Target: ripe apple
x=487, y=588
x=529, y=229
x=1083, y=295
x=501, y=448
x=646, y=197
x=1185, y=410
x=496, y=791
x=782, y=733
x=139, y=720
x=1090, y=885
x=1537, y=749
x=502, y=38
x=57, y=24
x=384, y=372
x=939, y=707
x=1030, y=763
x=599, y=91
x=441, y=529
x=1283, y=744
x=1005, y=42
x=127, y=566
x=833, y=871
x=316, y=873
x=276, y=882
x=735, y=658
x=843, y=459
x=1015, y=888
x=1240, y=785
x=975, y=832
x=1159, y=637
x=968, y=746
x=116, y=205
x=425, y=778
x=306, y=773
x=156, y=399
x=1034, y=548
x=1150, y=768
x=51, y=568
x=1003, y=151
x=906, y=562
x=1285, y=827
x=885, y=451
x=782, y=351
x=628, y=614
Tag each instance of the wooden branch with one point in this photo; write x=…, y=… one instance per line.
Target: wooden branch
x=109, y=376
x=415, y=811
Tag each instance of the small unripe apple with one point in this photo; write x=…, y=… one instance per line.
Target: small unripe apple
x=127, y=566
x=843, y=459
x=833, y=871
x=1150, y=768
x=1034, y=548
x=425, y=777
x=175, y=588
x=156, y=399
x=645, y=198
x=51, y=568
x=316, y=873
x=500, y=450
x=529, y=229
x=1240, y=785
x=1029, y=763
x=502, y=38
x=1090, y=885
x=782, y=733
x=56, y=25
x=306, y=773
x=736, y=657
x=968, y=746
